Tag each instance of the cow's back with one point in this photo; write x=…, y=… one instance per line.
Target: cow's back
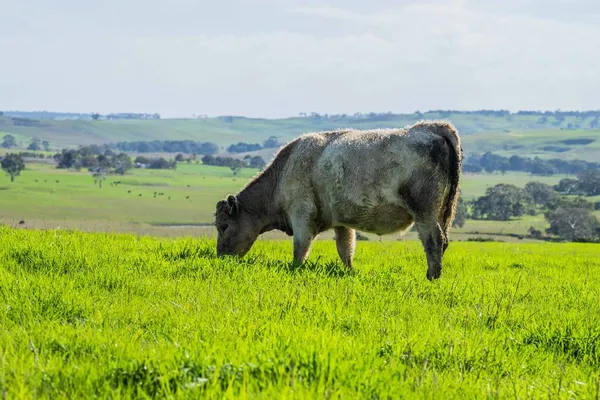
x=353, y=177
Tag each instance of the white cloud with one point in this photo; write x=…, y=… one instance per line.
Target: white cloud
x=275, y=58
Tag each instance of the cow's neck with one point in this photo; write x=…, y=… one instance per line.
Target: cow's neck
x=259, y=199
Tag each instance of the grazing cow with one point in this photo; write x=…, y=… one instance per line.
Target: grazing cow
x=379, y=181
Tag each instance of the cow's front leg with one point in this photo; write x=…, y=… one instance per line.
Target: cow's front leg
x=302, y=243
x=303, y=236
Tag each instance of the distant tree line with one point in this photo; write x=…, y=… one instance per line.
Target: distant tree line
x=490, y=162
x=36, y=144
x=570, y=218
x=247, y=162
x=382, y=116
x=19, y=121
x=168, y=146
x=93, y=158
x=32, y=154
x=242, y=147
x=366, y=115
x=96, y=116
x=154, y=163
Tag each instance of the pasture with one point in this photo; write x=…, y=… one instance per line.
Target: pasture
x=116, y=316
x=46, y=197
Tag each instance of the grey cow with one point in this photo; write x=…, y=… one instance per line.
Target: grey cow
x=379, y=181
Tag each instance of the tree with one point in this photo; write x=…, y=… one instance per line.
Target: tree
x=533, y=232
x=589, y=182
x=242, y=147
x=8, y=141
x=104, y=161
x=493, y=162
x=272, y=142
x=570, y=202
x=122, y=163
x=99, y=175
x=46, y=145
x=235, y=169
x=95, y=116
x=162, y=163
x=67, y=158
x=472, y=168
x=461, y=213
x=567, y=186
x=518, y=163
x=12, y=164
x=573, y=223
x=256, y=162
x=541, y=193
x=35, y=145
x=89, y=161
x=542, y=167
x=179, y=157
x=501, y=202
x=142, y=160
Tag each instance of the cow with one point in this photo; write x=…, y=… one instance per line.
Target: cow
x=380, y=181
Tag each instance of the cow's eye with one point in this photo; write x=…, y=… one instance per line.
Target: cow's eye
x=224, y=227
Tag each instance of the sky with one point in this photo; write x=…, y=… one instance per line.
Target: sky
x=279, y=58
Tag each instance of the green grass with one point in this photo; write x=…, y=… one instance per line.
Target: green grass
x=119, y=316
x=532, y=143
x=37, y=194
x=475, y=185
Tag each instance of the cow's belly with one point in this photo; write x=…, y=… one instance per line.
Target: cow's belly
x=379, y=219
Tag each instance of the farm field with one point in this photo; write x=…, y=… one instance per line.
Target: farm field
x=46, y=197
x=115, y=316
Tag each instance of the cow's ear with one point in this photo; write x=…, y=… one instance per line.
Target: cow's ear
x=232, y=204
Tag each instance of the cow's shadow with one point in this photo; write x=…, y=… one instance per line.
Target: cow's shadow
x=329, y=268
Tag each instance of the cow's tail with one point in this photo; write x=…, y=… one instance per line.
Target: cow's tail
x=450, y=135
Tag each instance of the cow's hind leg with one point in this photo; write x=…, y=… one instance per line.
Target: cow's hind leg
x=345, y=240
x=434, y=242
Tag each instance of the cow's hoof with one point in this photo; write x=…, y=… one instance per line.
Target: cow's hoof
x=432, y=275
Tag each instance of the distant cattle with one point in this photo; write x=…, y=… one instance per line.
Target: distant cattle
x=379, y=181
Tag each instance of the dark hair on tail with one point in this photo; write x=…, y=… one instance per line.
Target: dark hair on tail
x=450, y=135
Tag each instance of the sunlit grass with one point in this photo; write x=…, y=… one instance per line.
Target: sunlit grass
x=113, y=316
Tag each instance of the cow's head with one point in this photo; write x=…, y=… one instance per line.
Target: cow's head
x=236, y=228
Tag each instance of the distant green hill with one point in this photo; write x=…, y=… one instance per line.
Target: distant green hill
x=547, y=135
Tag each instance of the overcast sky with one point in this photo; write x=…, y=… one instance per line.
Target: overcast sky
x=274, y=58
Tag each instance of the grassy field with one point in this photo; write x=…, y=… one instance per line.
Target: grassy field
x=46, y=197
x=118, y=316
x=537, y=143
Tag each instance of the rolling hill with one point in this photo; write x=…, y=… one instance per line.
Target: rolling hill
x=547, y=136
